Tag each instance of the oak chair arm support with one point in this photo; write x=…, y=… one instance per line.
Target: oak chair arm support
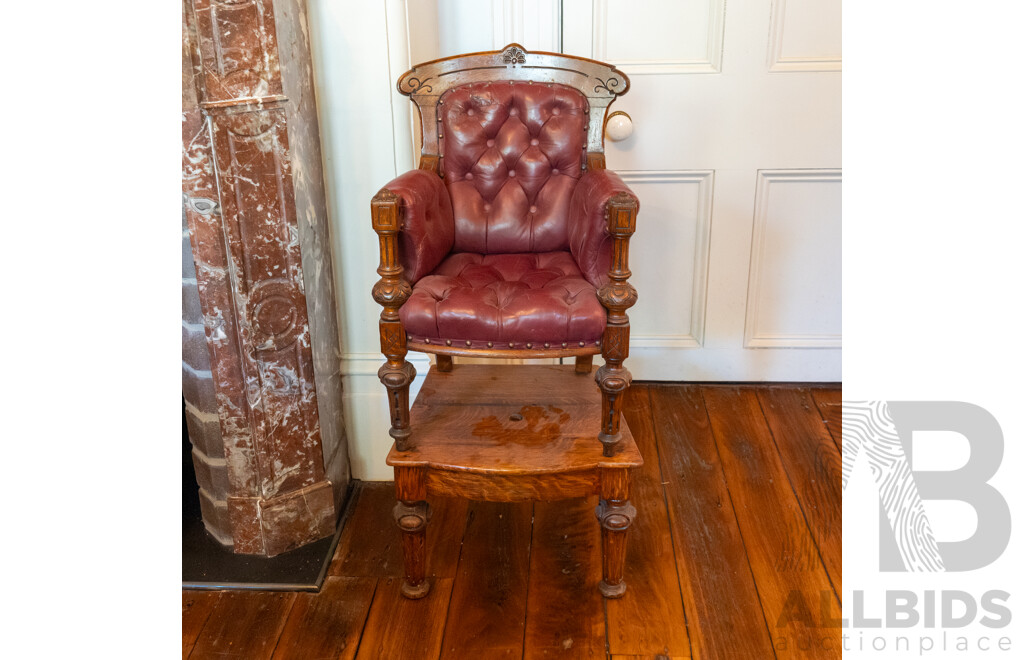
x=617, y=295
x=391, y=292
x=591, y=239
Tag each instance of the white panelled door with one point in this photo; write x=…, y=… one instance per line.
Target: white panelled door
x=735, y=156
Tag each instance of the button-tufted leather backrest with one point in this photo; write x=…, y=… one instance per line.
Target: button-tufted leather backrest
x=513, y=152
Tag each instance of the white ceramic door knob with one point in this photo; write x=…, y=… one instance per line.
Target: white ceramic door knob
x=619, y=126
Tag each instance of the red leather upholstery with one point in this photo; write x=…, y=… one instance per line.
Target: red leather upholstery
x=513, y=152
x=509, y=300
x=589, y=240
x=509, y=249
x=428, y=231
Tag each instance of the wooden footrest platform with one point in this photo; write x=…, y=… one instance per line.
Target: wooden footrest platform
x=506, y=433
x=510, y=433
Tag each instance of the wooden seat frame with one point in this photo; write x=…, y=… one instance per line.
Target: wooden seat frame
x=425, y=84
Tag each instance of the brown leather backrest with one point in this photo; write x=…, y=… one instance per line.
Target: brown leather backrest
x=512, y=154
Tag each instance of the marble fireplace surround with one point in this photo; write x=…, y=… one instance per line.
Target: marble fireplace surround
x=260, y=361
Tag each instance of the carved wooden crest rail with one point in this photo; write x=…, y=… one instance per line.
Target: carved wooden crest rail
x=599, y=82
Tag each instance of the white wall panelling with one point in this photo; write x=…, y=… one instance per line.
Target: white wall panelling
x=405, y=119
x=702, y=100
x=453, y=27
x=359, y=50
x=805, y=35
x=676, y=211
x=793, y=296
x=534, y=24
x=677, y=37
x=441, y=28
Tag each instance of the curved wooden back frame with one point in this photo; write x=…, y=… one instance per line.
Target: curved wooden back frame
x=426, y=83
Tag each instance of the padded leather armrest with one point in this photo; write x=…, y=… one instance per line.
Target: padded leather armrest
x=428, y=230
x=589, y=240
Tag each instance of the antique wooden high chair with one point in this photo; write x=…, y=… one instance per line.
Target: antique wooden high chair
x=509, y=241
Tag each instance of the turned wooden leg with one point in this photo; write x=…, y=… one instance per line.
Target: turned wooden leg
x=613, y=380
x=445, y=363
x=584, y=363
x=412, y=514
x=396, y=379
x=616, y=514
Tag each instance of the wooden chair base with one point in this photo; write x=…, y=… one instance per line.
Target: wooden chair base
x=507, y=434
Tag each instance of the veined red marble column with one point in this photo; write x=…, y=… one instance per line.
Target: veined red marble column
x=251, y=169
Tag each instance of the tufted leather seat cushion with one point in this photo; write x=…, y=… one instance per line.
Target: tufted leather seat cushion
x=512, y=154
x=505, y=299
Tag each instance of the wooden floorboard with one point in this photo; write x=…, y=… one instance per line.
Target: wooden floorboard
x=737, y=540
x=444, y=536
x=489, y=596
x=403, y=629
x=722, y=605
x=649, y=619
x=564, y=610
x=245, y=625
x=196, y=607
x=371, y=545
x=830, y=404
x=791, y=579
x=327, y=624
x=814, y=467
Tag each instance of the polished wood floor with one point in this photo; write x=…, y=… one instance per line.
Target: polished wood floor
x=736, y=554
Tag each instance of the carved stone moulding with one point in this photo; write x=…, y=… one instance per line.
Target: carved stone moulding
x=274, y=313
x=238, y=44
